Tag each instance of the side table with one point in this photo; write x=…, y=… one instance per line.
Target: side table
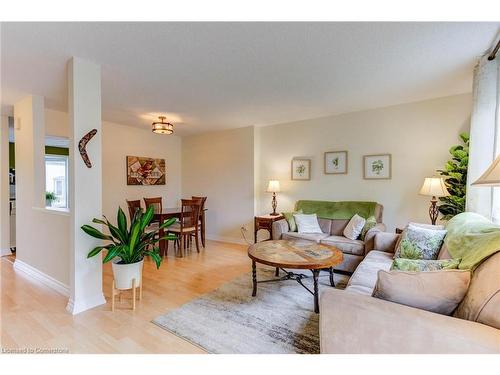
x=265, y=222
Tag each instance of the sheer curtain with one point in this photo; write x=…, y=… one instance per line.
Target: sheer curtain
x=484, y=137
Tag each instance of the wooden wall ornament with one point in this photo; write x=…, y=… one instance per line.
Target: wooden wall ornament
x=83, y=144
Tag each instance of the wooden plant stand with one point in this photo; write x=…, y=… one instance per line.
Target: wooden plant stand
x=120, y=291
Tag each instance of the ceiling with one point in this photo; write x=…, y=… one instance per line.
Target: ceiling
x=209, y=76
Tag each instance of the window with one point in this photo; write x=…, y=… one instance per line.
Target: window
x=56, y=181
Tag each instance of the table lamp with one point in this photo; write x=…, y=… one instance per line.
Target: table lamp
x=274, y=187
x=491, y=177
x=434, y=187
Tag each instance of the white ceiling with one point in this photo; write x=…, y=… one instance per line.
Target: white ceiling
x=208, y=76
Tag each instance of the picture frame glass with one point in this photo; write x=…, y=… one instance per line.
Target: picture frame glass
x=301, y=169
x=377, y=167
x=336, y=162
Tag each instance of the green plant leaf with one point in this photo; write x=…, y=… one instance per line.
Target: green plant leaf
x=168, y=222
x=91, y=231
x=112, y=252
x=122, y=223
x=148, y=216
x=96, y=250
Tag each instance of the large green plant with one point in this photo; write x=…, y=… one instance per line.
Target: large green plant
x=455, y=173
x=130, y=243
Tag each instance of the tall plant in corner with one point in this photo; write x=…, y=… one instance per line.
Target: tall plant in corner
x=455, y=173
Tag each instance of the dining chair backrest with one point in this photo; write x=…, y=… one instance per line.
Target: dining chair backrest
x=133, y=206
x=155, y=202
x=190, y=212
x=203, y=200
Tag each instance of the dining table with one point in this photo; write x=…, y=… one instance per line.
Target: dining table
x=167, y=213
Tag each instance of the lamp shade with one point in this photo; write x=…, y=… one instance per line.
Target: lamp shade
x=492, y=175
x=273, y=186
x=434, y=187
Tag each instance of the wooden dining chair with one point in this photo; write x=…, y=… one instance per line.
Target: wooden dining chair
x=202, y=217
x=188, y=225
x=133, y=206
x=155, y=202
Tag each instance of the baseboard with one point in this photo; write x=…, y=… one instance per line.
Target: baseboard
x=85, y=304
x=239, y=241
x=42, y=277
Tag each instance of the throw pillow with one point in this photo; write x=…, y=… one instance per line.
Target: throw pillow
x=371, y=222
x=291, y=221
x=307, y=223
x=435, y=291
x=419, y=243
x=354, y=227
x=415, y=265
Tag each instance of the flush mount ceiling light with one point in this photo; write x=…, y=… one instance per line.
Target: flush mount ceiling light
x=162, y=127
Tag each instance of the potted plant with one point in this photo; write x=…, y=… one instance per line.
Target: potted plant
x=129, y=244
x=50, y=197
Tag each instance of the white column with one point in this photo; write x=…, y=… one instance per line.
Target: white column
x=484, y=137
x=84, y=106
x=4, y=187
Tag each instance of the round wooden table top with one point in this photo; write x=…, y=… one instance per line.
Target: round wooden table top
x=296, y=254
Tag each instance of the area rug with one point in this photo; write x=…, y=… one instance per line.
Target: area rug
x=280, y=319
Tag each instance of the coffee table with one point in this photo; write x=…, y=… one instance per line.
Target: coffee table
x=295, y=254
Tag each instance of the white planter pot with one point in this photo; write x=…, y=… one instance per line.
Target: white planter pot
x=125, y=273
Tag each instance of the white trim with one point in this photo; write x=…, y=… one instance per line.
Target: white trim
x=238, y=241
x=85, y=304
x=53, y=211
x=42, y=277
x=4, y=252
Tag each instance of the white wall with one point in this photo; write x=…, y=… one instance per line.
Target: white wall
x=42, y=238
x=120, y=141
x=4, y=187
x=220, y=165
x=418, y=135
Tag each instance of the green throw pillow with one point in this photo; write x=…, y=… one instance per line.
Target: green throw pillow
x=420, y=243
x=291, y=221
x=416, y=265
x=370, y=223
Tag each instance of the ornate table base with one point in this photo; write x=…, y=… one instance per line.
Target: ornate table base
x=294, y=276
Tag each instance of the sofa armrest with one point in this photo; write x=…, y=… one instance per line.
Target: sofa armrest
x=370, y=236
x=385, y=241
x=357, y=323
x=279, y=227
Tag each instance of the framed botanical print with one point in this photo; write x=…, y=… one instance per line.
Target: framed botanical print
x=336, y=162
x=377, y=167
x=301, y=169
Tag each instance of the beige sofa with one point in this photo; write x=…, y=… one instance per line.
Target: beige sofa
x=351, y=321
x=353, y=250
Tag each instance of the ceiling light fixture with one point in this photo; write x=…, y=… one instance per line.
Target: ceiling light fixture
x=162, y=127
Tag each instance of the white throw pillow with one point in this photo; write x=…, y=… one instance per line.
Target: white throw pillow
x=354, y=227
x=307, y=223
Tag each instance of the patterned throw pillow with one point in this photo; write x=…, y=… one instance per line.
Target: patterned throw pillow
x=417, y=265
x=370, y=223
x=419, y=243
x=291, y=221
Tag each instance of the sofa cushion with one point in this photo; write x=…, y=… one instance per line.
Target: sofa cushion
x=364, y=278
x=325, y=225
x=291, y=220
x=354, y=227
x=346, y=245
x=416, y=265
x=435, y=291
x=338, y=226
x=316, y=237
x=307, y=223
x=419, y=243
x=482, y=301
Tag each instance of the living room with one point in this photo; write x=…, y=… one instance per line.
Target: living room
x=250, y=187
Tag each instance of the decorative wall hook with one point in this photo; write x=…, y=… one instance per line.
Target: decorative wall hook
x=83, y=143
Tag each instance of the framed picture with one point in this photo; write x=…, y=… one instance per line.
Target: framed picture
x=145, y=171
x=336, y=162
x=377, y=167
x=301, y=169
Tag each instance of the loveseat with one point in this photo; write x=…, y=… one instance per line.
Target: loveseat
x=352, y=321
x=333, y=218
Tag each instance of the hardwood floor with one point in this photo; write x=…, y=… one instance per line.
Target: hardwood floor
x=34, y=316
